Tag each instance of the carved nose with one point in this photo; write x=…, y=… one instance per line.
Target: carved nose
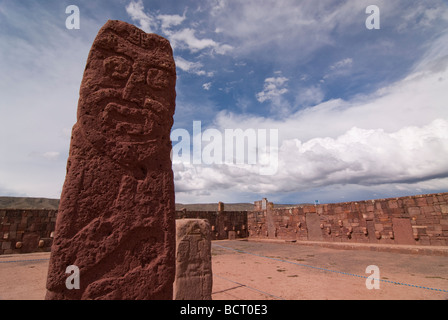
x=133, y=89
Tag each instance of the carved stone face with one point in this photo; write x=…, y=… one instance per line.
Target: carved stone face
x=127, y=95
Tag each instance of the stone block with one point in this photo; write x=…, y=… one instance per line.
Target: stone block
x=6, y=245
x=413, y=211
x=308, y=209
x=379, y=206
x=427, y=210
x=194, y=278
x=30, y=242
x=368, y=216
x=421, y=202
x=444, y=208
x=393, y=204
x=116, y=218
x=409, y=202
x=337, y=209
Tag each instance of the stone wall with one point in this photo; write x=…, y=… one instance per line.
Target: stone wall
x=224, y=224
x=413, y=220
x=24, y=231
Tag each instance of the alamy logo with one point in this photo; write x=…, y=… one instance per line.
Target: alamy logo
x=238, y=147
x=72, y=21
x=373, y=20
x=72, y=282
x=373, y=281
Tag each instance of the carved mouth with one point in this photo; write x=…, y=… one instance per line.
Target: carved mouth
x=135, y=123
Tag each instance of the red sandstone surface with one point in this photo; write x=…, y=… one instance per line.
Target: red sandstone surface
x=116, y=214
x=263, y=274
x=418, y=220
x=421, y=220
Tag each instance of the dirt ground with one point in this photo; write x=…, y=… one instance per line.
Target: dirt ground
x=246, y=270
x=298, y=272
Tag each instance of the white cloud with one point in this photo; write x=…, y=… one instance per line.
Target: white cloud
x=416, y=100
x=48, y=155
x=51, y=155
x=65, y=133
x=297, y=29
x=309, y=96
x=340, y=68
x=152, y=23
x=45, y=64
x=344, y=63
x=273, y=87
x=186, y=39
x=386, y=139
x=167, y=21
x=146, y=20
x=367, y=157
x=188, y=66
x=217, y=6
x=394, y=140
x=419, y=16
x=191, y=67
x=412, y=156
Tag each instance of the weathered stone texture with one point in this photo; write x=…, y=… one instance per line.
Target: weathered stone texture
x=23, y=229
x=412, y=220
x=193, y=260
x=221, y=223
x=116, y=215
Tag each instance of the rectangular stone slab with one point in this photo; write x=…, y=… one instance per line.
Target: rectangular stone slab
x=194, y=278
x=313, y=227
x=116, y=218
x=403, y=231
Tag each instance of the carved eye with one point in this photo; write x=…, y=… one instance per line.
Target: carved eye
x=157, y=78
x=117, y=67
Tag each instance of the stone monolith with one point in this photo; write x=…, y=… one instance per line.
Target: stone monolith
x=193, y=260
x=116, y=219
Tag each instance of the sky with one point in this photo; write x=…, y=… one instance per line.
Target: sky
x=348, y=111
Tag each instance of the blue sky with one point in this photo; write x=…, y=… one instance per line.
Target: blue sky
x=360, y=114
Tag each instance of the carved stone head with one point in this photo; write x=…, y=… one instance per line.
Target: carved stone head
x=127, y=95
